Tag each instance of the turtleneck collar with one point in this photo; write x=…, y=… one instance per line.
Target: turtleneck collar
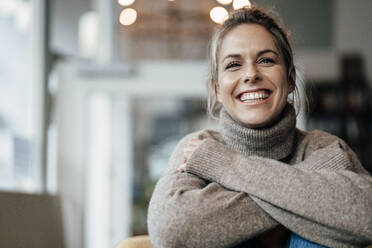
x=273, y=142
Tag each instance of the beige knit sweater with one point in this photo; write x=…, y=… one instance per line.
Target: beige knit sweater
x=241, y=182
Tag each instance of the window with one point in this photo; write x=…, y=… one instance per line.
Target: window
x=17, y=101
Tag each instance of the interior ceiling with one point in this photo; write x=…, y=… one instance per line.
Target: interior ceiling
x=178, y=29
x=181, y=29
x=177, y=18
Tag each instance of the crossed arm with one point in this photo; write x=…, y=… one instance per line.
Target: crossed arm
x=209, y=206
x=188, y=211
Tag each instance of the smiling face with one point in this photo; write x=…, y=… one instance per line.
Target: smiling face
x=252, y=82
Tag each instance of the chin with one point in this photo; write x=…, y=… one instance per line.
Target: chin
x=254, y=123
x=254, y=119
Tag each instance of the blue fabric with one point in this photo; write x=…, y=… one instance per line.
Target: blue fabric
x=294, y=241
x=298, y=242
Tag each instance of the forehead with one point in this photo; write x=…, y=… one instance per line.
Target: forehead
x=247, y=38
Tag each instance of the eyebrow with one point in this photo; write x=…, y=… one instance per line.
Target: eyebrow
x=234, y=56
x=260, y=53
x=266, y=51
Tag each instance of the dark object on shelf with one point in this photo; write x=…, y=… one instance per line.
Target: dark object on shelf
x=343, y=108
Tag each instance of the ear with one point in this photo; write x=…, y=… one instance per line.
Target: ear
x=292, y=80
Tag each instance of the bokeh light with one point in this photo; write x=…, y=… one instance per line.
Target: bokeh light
x=238, y=4
x=126, y=2
x=219, y=14
x=224, y=2
x=128, y=16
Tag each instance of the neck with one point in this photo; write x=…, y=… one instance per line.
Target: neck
x=273, y=142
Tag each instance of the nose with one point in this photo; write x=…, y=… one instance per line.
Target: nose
x=251, y=75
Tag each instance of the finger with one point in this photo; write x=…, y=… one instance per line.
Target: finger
x=191, y=147
x=188, y=154
x=181, y=168
x=194, y=141
x=188, y=151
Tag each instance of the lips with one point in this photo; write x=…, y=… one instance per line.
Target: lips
x=254, y=95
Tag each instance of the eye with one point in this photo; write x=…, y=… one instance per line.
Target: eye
x=232, y=65
x=266, y=61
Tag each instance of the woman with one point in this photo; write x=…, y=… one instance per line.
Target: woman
x=258, y=181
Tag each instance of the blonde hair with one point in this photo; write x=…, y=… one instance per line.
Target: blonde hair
x=248, y=16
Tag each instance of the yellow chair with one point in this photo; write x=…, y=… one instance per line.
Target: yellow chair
x=142, y=241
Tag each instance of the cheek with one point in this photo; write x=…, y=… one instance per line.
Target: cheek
x=282, y=83
x=227, y=83
x=284, y=92
x=224, y=90
x=221, y=92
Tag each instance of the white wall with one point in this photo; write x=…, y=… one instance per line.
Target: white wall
x=64, y=17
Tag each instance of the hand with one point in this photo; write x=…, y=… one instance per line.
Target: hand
x=188, y=150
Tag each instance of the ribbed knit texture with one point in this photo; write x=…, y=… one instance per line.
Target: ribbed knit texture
x=234, y=189
x=274, y=142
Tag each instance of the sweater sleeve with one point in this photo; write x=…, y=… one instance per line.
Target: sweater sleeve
x=327, y=198
x=187, y=211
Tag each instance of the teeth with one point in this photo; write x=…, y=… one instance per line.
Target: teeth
x=254, y=96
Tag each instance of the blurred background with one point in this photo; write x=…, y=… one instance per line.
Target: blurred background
x=94, y=95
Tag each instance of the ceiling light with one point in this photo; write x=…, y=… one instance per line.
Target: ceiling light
x=238, y=4
x=224, y=2
x=128, y=16
x=219, y=14
x=125, y=2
